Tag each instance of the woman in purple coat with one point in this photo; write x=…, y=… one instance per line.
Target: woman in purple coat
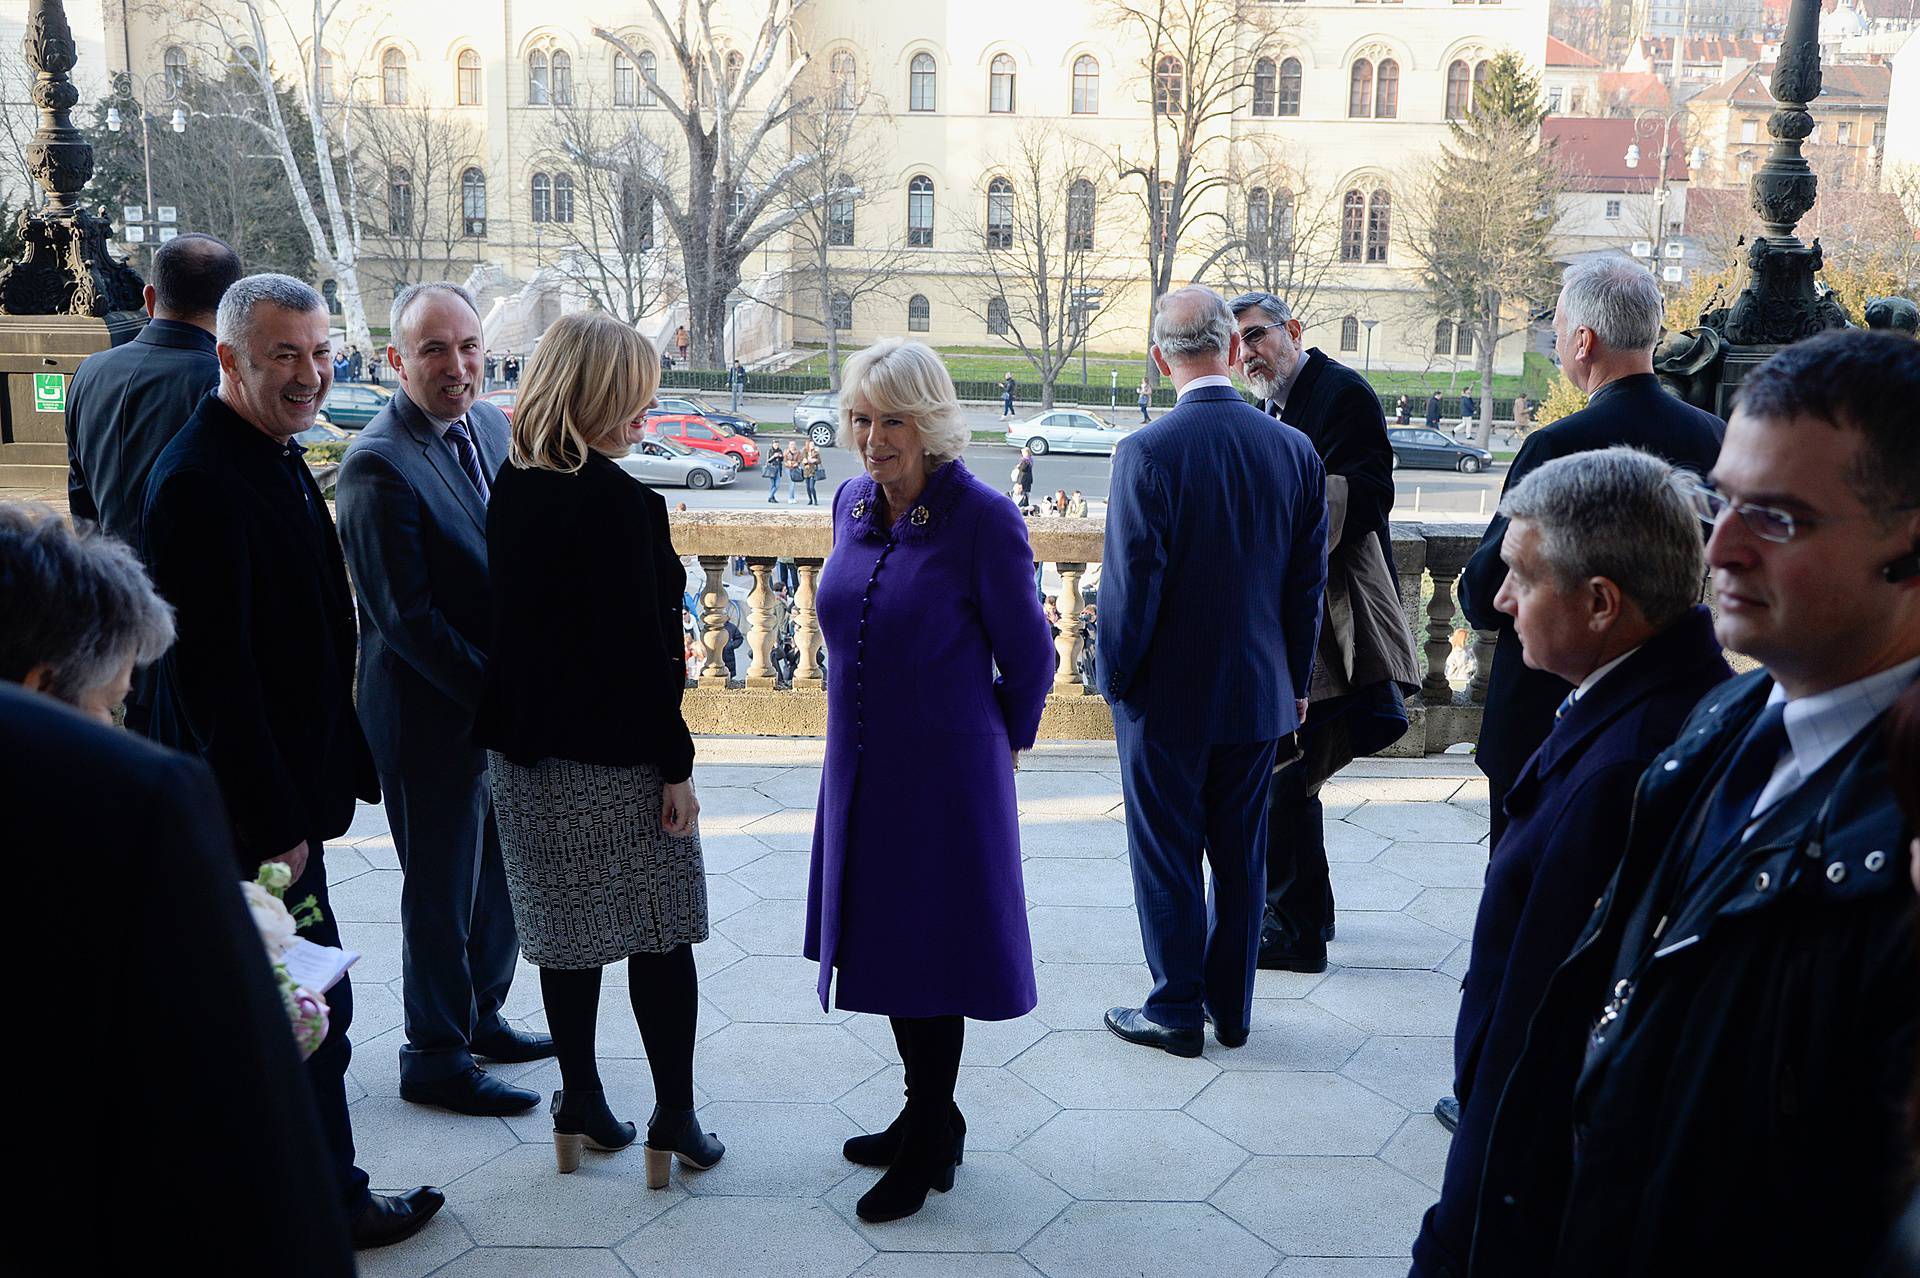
x=915, y=899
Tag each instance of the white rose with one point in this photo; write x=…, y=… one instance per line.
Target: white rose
x=277, y=929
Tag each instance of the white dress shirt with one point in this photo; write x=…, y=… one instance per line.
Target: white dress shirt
x=1821, y=725
x=1211, y=379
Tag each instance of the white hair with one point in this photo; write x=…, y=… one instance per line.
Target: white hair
x=233, y=323
x=898, y=377
x=1616, y=298
x=1192, y=322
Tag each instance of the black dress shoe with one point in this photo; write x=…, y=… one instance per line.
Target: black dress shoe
x=475, y=1092
x=1227, y=1037
x=389, y=1219
x=1291, y=954
x=515, y=1047
x=1132, y=1024
x=1447, y=1110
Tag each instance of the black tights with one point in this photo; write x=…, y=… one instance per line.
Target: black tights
x=665, y=991
x=930, y=1050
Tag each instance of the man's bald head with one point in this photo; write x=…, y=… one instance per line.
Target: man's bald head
x=1194, y=333
x=191, y=273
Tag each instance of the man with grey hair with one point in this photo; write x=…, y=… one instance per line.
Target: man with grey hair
x=1216, y=525
x=413, y=518
x=1364, y=667
x=260, y=682
x=1604, y=570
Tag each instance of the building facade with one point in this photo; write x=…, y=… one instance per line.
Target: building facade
x=1849, y=125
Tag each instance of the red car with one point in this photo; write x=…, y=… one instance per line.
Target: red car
x=502, y=399
x=712, y=437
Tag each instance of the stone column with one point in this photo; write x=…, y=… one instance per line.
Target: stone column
x=713, y=622
x=1483, y=645
x=806, y=626
x=760, y=638
x=1445, y=561
x=1071, y=640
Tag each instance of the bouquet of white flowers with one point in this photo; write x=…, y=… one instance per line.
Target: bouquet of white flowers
x=279, y=927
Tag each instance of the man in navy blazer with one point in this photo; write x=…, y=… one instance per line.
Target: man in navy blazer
x=1214, y=568
x=413, y=507
x=1604, y=565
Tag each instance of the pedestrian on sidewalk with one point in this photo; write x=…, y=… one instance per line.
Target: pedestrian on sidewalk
x=1402, y=413
x=813, y=469
x=1433, y=411
x=773, y=468
x=737, y=382
x=790, y=459
x=1006, y=397
x=1146, y=399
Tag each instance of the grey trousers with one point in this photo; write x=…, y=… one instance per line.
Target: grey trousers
x=458, y=946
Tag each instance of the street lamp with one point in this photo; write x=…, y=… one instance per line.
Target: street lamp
x=1697, y=158
x=1368, y=368
x=1086, y=301
x=142, y=87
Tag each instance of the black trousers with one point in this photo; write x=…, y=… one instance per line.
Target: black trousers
x=327, y=1067
x=1299, y=889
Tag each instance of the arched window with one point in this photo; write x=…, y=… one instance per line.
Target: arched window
x=920, y=83
x=1080, y=212
x=562, y=78
x=1169, y=86
x=174, y=60
x=393, y=78
x=732, y=68
x=1386, y=90
x=1000, y=84
x=537, y=93
x=845, y=81
x=1259, y=211
x=1289, y=97
x=842, y=312
x=323, y=79
x=563, y=197
x=1353, y=227
x=1360, y=90
x=840, y=212
x=997, y=315
x=626, y=86
x=1265, y=87
x=919, y=314
x=467, y=75
x=1480, y=72
x=649, y=69
x=1443, y=337
x=999, y=214
x=1280, y=238
x=920, y=213
x=243, y=58
x=399, y=200
x=542, y=198
x=1086, y=85
x=1379, y=225
x=473, y=203
x=1349, y=334
x=1459, y=81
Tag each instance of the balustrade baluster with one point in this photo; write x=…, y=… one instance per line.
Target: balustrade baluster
x=713, y=622
x=1071, y=640
x=806, y=627
x=760, y=672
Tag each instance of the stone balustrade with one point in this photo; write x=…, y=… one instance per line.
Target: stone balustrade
x=760, y=702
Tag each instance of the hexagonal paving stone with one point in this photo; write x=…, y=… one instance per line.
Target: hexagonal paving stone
x=1298, y=1113
x=1386, y=938
x=930, y=1264
x=1458, y=961
x=748, y=1238
x=770, y=988
x=344, y=864
x=1327, y=1206
x=1341, y=1267
x=997, y=1204
x=1101, y=1240
x=1338, y=803
x=1074, y=996
x=795, y=788
x=1449, y=909
x=402, y=1144
x=520, y=1200
x=1085, y=934
x=1382, y=1001
x=725, y=898
x=789, y=830
x=627, y=1081
x=784, y=1063
x=373, y=897
x=379, y=852
x=780, y=876
x=548, y=1262
x=438, y=1242
x=1092, y=1069
x=1414, y=1072
x=1045, y=834
x=1001, y=1110
x=988, y=1042
x=724, y=851
x=774, y=1150
x=1435, y=822
x=767, y=927
x=1157, y=1156
x=375, y=1010
x=378, y=945
x=727, y=808
x=1348, y=842
x=1079, y=881
x=1066, y=793
x=710, y=957
x=1291, y=1034
x=1398, y=789
x=1368, y=887
x=369, y=819
x=725, y=775
x=1419, y=1149
x=1455, y=865
x=1275, y=985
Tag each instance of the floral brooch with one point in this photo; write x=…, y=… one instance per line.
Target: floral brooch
x=860, y=509
x=919, y=517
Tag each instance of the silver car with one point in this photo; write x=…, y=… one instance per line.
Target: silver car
x=1066, y=430
x=817, y=416
x=661, y=462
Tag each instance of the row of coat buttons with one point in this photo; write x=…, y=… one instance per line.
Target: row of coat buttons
x=860, y=647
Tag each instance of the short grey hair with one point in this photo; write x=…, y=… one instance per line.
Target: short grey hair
x=75, y=600
x=897, y=377
x=1621, y=514
x=233, y=324
x=403, y=302
x=1276, y=311
x=1192, y=322
x=1618, y=299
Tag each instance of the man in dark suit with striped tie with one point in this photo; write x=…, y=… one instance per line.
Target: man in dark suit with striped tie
x=413, y=518
x=1215, y=545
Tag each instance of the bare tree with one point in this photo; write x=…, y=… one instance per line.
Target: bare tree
x=1279, y=233
x=411, y=160
x=1196, y=57
x=731, y=107
x=1042, y=245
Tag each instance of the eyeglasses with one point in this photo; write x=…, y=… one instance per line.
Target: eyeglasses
x=1765, y=522
x=1252, y=336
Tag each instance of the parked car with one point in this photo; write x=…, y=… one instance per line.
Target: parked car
x=1066, y=431
x=817, y=416
x=321, y=433
x=679, y=405
x=661, y=462
x=705, y=436
x=352, y=405
x=502, y=399
x=1419, y=446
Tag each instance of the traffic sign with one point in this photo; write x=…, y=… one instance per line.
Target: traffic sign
x=49, y=392
x=168, y=232
x=136, y=234
x=165, y=213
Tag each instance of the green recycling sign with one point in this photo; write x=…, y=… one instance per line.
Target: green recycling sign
x=49, y=392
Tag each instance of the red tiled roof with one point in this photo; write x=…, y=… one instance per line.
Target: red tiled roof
x=1594, y=152
x=1562, y=54
x=1634, y=90
x=1857, y=84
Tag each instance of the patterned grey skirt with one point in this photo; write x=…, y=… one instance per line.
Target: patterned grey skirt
x=592, y=876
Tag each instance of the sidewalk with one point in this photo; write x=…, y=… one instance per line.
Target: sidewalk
x=1307, y=1153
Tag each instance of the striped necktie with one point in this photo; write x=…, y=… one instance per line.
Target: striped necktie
x=469, y=457
x=1566, y=705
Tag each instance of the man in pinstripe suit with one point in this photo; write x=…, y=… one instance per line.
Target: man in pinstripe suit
x=1215, y=542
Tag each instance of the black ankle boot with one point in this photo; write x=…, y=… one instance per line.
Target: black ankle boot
x=881, y=1148
x=581, y=1119
x=672, y=1132
x=928, y=1154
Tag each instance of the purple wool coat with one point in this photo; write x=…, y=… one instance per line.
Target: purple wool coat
x=915, y=896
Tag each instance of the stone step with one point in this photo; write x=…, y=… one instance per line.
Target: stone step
x=34, y=455
x=36, y=478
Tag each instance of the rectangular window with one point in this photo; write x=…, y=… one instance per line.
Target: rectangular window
x=1613, y=210
x=1553, y=100
x=1846, y=132
x=1579, y=102
x=1749, y=130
